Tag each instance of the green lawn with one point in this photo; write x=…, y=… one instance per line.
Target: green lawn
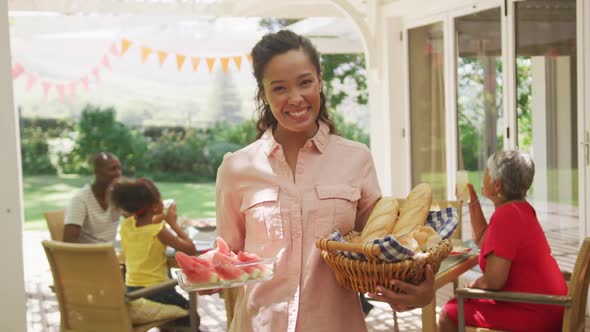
x=45, y=193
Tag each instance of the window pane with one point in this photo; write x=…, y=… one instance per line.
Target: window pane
x=427, y=107
x=480, y=124
x=546, y=106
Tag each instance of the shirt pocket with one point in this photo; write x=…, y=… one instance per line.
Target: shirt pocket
x=336, y=208
x=262, y=214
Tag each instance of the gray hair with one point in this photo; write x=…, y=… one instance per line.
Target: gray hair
x=514, y=169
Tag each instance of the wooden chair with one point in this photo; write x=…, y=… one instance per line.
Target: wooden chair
x=574, y=318
x=55, y=224
x=90, y=289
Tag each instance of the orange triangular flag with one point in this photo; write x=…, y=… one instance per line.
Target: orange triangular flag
x=162, y=55
x=145, y=53
x=195, y=62
x=180, y=60
x=125, y=44
x=249, y=57
x=210, y=63
x=224, y=64
x=237, y=61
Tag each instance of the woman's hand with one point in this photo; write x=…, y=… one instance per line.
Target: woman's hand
x=408, y=296
x=171, y=215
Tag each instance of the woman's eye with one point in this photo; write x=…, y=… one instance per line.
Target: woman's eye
x=278, y=89
x=306, y=82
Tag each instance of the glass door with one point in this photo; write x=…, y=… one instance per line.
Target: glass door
x=427, y=107
x=480, y=124
x=546, y=108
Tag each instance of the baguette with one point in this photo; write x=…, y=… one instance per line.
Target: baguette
x=381, y=220
x=414, y=210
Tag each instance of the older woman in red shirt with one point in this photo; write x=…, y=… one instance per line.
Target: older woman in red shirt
x=514, y=253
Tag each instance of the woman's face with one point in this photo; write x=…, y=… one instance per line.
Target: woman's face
x=489, y=188
x=291, y=86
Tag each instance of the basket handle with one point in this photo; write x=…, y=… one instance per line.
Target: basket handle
x=370, y=250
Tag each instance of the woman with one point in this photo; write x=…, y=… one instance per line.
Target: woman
x=514, y=253
x=295, y=184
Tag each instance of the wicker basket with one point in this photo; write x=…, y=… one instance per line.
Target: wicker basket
x=364, y=276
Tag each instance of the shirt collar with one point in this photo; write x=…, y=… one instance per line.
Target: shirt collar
x=320, y=139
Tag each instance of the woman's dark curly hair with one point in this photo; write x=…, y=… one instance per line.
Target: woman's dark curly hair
x=271, y=45
x=134, y=196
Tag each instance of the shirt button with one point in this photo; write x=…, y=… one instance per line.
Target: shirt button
x=296, y=235
x=299, y=170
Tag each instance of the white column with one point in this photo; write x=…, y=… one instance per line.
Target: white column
x=539, y=124
x=393, y=92
x=12, y=286
x=380, y=127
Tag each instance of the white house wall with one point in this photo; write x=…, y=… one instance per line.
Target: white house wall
x=12, y=286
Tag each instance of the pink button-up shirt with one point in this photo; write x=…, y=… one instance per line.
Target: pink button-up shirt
x=264, y=209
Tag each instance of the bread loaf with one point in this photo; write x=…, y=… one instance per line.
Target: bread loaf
x=423, y=234
x=381, y=220
x=409, y=242
x=414, y=210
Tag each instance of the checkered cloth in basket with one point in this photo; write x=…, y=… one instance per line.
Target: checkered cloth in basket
x=444, y=223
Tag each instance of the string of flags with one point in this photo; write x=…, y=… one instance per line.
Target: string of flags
x=70, y=89
x=162, y=56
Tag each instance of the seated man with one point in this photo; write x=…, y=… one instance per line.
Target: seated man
x=88, y=217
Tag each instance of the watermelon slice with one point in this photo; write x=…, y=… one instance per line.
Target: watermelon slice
x=196, y=270
x=254, y=270
x=231, y=273
x=223, y=248
x=202, y=276
x=224, y=265
x=186, y=263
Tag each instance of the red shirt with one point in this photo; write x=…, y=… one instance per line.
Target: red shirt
x=514, y=233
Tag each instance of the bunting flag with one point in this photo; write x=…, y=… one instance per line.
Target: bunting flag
x=145, y=53
x=195, y=60
x=17, y=70
x=181, y=58
x=31, y=80
x=60, y=92
x=84, y=81
x=125, y=44
x=105, y=62
x=114, y=51
x=96, y=74
x=73, y=87
x=46, y=87
x=65, y=89
x=210, y=63
x=180, y=61
x=224, y=64
x=162, y=57
x=237, y=61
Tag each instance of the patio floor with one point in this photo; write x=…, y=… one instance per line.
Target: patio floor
x=43, y=312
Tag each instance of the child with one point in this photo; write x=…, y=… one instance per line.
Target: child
x=144, y=238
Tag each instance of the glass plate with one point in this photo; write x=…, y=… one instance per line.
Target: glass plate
x=245, y=279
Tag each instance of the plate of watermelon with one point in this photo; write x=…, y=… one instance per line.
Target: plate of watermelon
x=222, y=268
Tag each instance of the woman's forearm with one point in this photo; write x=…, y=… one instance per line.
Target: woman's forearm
x=478, y=222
